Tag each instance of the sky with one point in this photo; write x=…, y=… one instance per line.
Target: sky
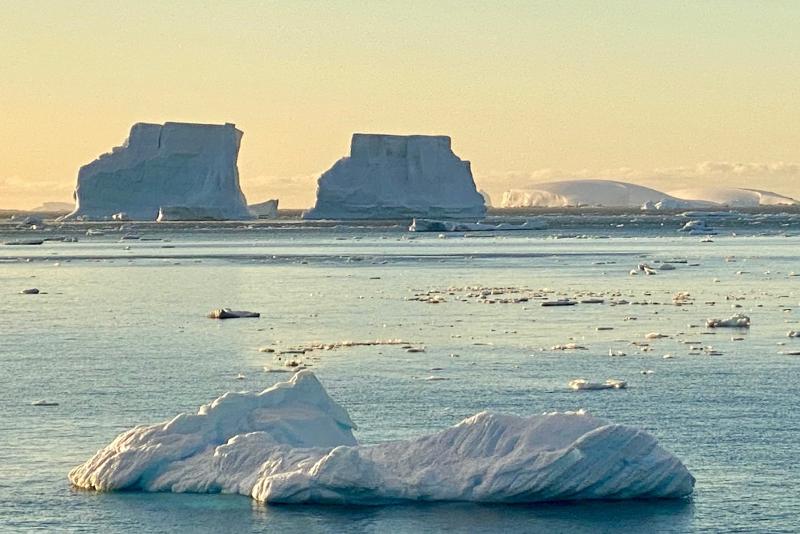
x=665, y=94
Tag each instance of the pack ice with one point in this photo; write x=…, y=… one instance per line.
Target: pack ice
x=292, y=443
x=187, y=168
x=398, y=176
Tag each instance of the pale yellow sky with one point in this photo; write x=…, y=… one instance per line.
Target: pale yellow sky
x=643, y=90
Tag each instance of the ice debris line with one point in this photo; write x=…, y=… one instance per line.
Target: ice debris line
x=179, y=168
x=398, y=176
x=292, y=443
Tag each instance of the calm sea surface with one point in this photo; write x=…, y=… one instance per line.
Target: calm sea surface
x=119, y=337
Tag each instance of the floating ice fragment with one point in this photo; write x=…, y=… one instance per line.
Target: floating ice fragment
x=736, y=321
x=227, y=313
x=655, y=335
x=583, y=384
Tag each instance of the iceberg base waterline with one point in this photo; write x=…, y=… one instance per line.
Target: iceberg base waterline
x=292, y=443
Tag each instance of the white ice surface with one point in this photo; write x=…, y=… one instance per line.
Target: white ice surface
x=608, y=193
x=397, y=176
x=174, y=164
x=293, y=444
x=733, y=196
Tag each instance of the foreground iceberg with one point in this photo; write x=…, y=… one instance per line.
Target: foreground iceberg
x=398, y=176
x=292, y=443
x=189, y=166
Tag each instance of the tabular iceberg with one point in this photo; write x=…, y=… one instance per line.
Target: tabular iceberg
x=292, y=443
x=177, y=165
x=734, y=197
x=397, y=176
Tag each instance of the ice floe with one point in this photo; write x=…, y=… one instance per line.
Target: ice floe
x=227, y=313
x=735, y=321
x=583, y=384
x=293, y=444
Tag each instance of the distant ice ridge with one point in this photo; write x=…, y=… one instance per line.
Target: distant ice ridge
x=398, y=176
x=614, y=194
x=606, y=193
x=292, y=443
x=176, y=165
x=734, y=197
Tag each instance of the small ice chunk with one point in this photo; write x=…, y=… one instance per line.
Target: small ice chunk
x=583, y=384
x=227, y=313
x=735, y=321
x=655, y=335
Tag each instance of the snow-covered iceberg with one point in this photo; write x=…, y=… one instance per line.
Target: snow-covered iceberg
x=734, y=197
x=398, y=176
x=607, y=193
x=292, y=443
x=174, y=164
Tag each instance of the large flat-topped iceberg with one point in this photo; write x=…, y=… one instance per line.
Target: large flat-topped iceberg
x=171, y=165
x=605, y=193
x=734, y=197
x=398, y=176
x=292, y=443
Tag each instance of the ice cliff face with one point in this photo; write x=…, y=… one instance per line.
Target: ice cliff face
x=174, y=164
x=293, y=444
x=394, y=176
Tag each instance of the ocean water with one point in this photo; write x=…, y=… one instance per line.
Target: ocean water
x=119, y=337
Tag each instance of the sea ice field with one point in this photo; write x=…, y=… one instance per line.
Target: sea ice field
x=410, y=333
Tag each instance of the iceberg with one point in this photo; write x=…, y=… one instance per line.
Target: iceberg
x=598, y=193
x=264, y=210
x=192, y=166
x=395, y=177
x=734, y=197
x=292, y=443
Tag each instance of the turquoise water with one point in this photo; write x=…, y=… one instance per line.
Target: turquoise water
x=119, y=337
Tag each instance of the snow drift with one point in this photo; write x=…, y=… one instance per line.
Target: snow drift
x=174, y=164
x=292, y=443
x=398, y=176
